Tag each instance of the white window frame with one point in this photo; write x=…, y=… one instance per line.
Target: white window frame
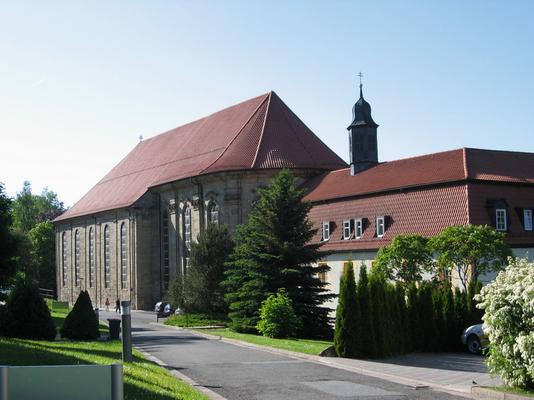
x=500, y=219
x=326, y=230
x=527, y=219
x=346, y=229
x=358, y=228
x=380, y=222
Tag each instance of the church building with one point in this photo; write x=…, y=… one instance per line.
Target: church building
x=131, y=234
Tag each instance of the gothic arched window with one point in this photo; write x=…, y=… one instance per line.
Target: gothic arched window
x=165, y=234
x=213, y=213
x=187, y=235
x=107, y=254
x=64, y=259
x=77, y=256
x=91, y=258
x=124, y=257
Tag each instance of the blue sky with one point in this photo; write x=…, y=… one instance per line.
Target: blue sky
x=80, y=81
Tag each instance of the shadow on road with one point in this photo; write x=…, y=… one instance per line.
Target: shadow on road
x=448, y=361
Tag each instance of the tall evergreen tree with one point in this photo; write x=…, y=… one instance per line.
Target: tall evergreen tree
x=449, y=316
x=273, y=251
x=368, y=348
x=347, y=334
x=413, y=318
x=379, y=316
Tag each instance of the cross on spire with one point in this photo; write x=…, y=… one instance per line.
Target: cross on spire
x=360, y=75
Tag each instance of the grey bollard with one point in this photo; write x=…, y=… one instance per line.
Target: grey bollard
x=126, y=331
x=117, y=388
x=3, y=382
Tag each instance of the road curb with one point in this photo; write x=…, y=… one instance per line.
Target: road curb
x=481, y=392
x=208, y=392
x=416, y=384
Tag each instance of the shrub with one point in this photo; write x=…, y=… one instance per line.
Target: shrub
x=28, y=316
x=81, y=322
x=277, y=317
x=508, y=303
x=347, y=335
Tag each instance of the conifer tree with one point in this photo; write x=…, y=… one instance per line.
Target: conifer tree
x=379, y=316
x=81, y=322
x=449, y=316
x=402, y=330
x=413, y=317
x=366, y=312
x=426, y=316
x=460, y=311
x=347, y=335
x=273, y=251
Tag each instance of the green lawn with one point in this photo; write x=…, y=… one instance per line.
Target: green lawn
x=196, y=320
x=143, y=380
x=307, y=346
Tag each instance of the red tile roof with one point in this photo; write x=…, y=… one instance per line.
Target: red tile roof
x=447, y=166
x=259, y=133
x=424, y=211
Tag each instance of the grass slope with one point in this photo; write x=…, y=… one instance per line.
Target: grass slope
x=307, y=346
x=143, y=380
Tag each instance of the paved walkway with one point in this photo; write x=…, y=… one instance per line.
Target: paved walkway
x=243, y=371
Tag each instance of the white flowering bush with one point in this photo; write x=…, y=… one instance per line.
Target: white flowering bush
x=508, y=303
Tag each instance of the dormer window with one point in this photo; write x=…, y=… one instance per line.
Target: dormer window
x=380, y=226
x=500, y=219
x=347, y=231
x=326, y=230
x=358, y=228
x=527, y=219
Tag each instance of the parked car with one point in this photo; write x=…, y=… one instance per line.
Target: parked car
x=159, y=306
x=475, y=338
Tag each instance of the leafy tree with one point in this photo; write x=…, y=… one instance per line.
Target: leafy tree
x=471, y=250
x=277, y=317
x=347, y=334
x=405, y=259
x=43, y=253
x=28, y=316
x=366, y=312
x=203, y=289
x=7, y=241
x=81, y=323
x=509, y=316
x=274, y=250
x=30, y=209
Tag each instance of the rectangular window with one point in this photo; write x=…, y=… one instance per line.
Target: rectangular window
x=326, y=230
x=346, y=229
x=380, y=226
x=500, y=219
x=527, y=219
x=358, y=228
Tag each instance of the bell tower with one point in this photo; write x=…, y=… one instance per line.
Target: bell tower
x=362, y=136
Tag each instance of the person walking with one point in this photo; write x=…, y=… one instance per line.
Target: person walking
x=118, y=306
x=107, y=304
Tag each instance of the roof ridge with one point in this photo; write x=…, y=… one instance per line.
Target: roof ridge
x=262, y=128
x=238, y=132
x=464, y=157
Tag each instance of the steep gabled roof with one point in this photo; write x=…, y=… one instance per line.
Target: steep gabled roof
x=430, y=169
x=259, y=133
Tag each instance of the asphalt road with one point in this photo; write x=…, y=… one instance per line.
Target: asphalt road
x=241, y=373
